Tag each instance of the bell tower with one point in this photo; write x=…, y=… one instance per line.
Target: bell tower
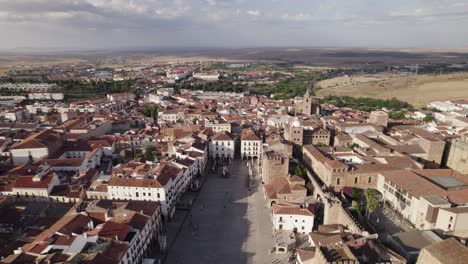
x=310, y=106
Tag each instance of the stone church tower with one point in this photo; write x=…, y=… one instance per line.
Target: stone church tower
x=310, y=105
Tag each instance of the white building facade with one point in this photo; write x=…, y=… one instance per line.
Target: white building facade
x=292, y=218
x=222, y=146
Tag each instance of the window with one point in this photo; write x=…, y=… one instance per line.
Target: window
x=337, y=181
x=355, y=180
x=451, y=219
x=369, y=180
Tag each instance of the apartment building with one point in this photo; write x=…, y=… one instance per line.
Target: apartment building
x=458, y=154
x=222, y=145
x=285, y=189
x=34, y=187
x=293, y=218
x=164, y=183
x=46, y=96
x=37, y=146
x=251, y=144
x=339, y=167
x=428, y=198
x=97, y=232
x=121, y=97
x=206, y=76
x=30, y=87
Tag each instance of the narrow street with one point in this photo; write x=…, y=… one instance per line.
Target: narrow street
x=227, y=224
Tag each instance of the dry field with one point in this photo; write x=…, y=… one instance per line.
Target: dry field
x=347, y=80
x=312, y=68
x=7, y=61
x=417, y=90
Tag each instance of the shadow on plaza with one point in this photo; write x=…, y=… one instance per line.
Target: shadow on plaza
x=217, y=228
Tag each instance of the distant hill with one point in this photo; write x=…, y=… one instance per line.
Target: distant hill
x=324, y=57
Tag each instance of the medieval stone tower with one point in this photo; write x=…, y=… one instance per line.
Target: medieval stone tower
x=310, y=105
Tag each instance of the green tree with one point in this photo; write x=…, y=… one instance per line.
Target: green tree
x=320, y=144
x=428, y=119
x=150, y=111
x=353, y=146
x=300, y=170
x=356, y=206
x=357, y=194
x=150, y=153
x=397, y=115
x=372, y=200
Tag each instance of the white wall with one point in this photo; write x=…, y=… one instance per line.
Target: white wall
x=139, y=194
x=450, y=221
x=302, y=223
x=222, y=147
x=251, y=148
x=22, y=155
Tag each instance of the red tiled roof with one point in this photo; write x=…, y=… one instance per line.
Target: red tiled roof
x=223, y=136
x=166, y=172
x=112, y=230
x=43, y=139
x=77, y=225
x=27, y=182
x=133, y=182
x=249, y=135
x=291, y=210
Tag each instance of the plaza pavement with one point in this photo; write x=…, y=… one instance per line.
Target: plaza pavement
x=227, y=223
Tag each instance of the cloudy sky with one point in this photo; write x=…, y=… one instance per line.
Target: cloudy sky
x=90, y=24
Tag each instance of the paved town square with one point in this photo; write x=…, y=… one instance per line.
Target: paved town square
x=228, y=223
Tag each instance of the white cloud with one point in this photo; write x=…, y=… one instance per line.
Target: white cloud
x=211, y=2
x=185, y=22
x=437, y=9
x=254, y=13
x=298, y=17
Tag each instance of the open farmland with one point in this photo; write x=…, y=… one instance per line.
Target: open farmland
x=417, y=90
x=348, y=80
